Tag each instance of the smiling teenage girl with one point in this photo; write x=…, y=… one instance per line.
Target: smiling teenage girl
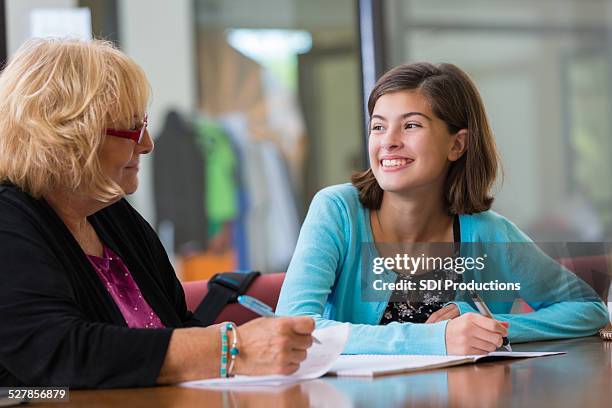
x=433, y=162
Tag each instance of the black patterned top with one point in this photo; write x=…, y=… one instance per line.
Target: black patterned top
x=419, y=312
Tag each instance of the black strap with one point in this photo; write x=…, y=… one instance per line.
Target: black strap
x=223, y=288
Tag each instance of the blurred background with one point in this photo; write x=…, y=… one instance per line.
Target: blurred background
x=258, y=104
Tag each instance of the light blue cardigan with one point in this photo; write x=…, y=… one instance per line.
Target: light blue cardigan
x=324, y=281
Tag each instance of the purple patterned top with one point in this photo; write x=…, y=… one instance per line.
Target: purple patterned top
x=118, y=280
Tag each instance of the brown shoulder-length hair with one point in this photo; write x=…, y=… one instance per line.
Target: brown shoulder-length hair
x=454, y=99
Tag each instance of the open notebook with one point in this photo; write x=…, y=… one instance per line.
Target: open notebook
x=325, y=358
x=372, y=365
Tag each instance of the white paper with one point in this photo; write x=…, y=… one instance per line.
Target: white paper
x=319, y=359
x=519, y=354
x=369, y=365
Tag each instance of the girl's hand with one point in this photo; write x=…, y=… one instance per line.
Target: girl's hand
x=446, y=313
x=273, y=345
x=472, y=333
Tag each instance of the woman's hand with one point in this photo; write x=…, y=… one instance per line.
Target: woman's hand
x=446, y=313
x=273, y=345
x=472, y=333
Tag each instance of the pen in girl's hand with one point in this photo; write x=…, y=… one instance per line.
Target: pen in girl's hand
x=484, y=310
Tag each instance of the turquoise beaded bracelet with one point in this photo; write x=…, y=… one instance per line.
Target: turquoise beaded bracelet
x=223, y=369
x=233, y=352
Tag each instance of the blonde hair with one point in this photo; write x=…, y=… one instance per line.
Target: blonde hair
x=57, y=97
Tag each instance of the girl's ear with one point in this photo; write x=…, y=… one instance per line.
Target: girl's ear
x=459, y=146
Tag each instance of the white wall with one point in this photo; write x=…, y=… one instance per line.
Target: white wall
x=159, y=36
x=18, y=17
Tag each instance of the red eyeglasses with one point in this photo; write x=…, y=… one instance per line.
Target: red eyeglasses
x=135, y=135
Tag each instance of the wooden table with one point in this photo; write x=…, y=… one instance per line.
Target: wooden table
x=582, y=378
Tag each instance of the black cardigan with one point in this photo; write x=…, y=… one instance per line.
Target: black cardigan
x=58, y=324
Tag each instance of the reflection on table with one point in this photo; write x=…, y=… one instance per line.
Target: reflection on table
x=581, y=378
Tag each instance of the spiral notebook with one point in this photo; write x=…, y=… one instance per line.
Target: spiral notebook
x=372, y=365
x=606, y=332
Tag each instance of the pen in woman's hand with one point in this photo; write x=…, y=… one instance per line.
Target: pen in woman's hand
x=259, y=307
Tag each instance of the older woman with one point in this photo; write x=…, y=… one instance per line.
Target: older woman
x=88, y=296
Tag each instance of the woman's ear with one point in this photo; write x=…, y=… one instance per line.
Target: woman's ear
x=459, y=145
